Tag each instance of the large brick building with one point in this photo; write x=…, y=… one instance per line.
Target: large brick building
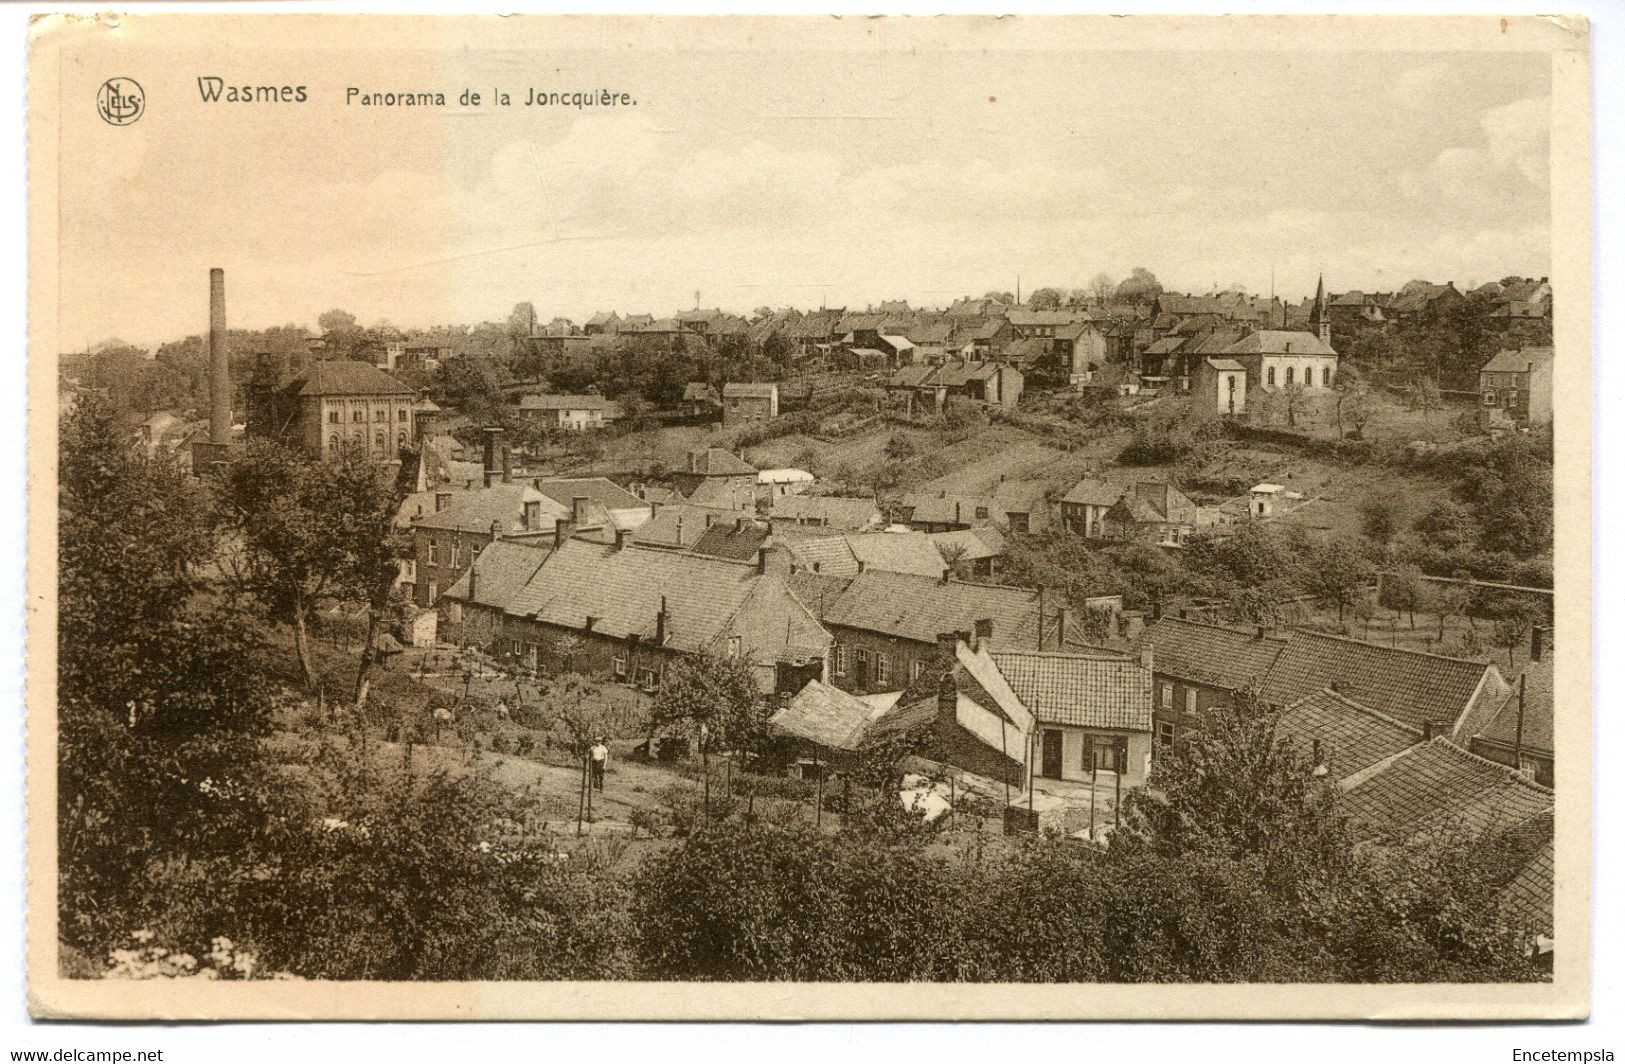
x=326, y=406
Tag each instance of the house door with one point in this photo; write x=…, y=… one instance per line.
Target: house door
x=1050, y=767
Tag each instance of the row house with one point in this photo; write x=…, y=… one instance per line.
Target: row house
x=885, y=625
x=1202, y=665
x=746, y=404
x=624, y=613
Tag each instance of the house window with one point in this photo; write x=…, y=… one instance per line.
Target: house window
x=1190, y=700
x=1165, y=696
x=647, y=679
x=617, y=665
x=1165, y=733
x=916, y=669
x=434, y=552
x=1309, y=377
x=981, y=512
x=400, y=415
x=332, y=417
x=1489, y=398
x=1289, y=371
x=882, y=668
x=378, y=439
x=840, y=660
x=1269, y=375
x=358, y=416
x=735, y=643
x=380, y=415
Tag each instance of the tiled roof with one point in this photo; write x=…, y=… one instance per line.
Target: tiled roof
x=503, y=569
x=680, y=524
x=897, y=552
x=1022, y=496
x=715, y=462
x=622, y=590
x=1408, y=685
x=738, y=541
x=601, y=490
x=742, y=390
x=1439, y=787
x=919, y=608
x=1093, y=492
x=845, y=514
x=969, y=544
x=949, y=509
x=724, y=495
x=1352, y=738
x=1209, y=654
x=476, y=509
x=565, y=402
x=818, y=552
x=1080, y=689
x=828, y=716
x=1277, y=342
x=1526, y=901
x=1518, y=361
x=1537, y=711
x=350, y=378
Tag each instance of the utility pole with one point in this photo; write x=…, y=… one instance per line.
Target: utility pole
x=1517, y=737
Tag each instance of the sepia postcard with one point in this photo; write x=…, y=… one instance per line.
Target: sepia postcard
x=792, y=518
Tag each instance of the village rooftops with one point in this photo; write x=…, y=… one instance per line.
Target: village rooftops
x=737, y=540
x=502, y=571
x=1439, y=788
x=828, y=716
x=600, y=490
x=350, y=378
x=1279, y=342
x=918, y=608
x=826, y=511
x=1092, y=491
x=1086, y=690
x=747, y=390
x=715, y=462
x=1410, y=686
x=1212, y=655
x=1521, y=360
x=1352, y=738
x=566, y=402
x=501, y=506
x=1535, y=734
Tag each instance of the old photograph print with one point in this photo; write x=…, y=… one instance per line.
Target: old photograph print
x=972, y=518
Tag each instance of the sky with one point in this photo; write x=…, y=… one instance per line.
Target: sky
x=784, y=176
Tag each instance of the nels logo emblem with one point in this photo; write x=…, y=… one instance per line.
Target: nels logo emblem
x=121, y=101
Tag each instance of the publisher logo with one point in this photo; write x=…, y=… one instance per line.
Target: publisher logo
x=121, y=101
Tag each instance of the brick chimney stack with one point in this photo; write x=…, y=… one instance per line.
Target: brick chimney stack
x=219, y=364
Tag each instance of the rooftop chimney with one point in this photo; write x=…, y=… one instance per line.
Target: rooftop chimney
x=496, y=531
x=982, y=633
x=578, y=509
x=219, y=364
x=1427, y=731
x=493, y=454
x=660, y=623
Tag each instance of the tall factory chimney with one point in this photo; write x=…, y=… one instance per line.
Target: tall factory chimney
x=219, y=364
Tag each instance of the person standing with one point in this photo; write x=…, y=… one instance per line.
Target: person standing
x=600, y=761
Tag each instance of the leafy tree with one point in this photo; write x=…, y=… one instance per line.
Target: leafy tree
x=1512, y=625
x=1045, y=299
x=718, y=693
x=1101, y=286
x=1141, y=286
x=899, y=448
x=1446, y=524
x=1338, y=572
x=1403, y=590
x=336, y=321
x=1423, y=395
x=306, y=532
x=1382, y=516
x=1295, y=400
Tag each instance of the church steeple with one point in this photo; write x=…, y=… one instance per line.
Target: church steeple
x=1317, y=314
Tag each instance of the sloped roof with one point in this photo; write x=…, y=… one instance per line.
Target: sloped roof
x=897, y=552
x=715, y=462
x=736, y=541
x=1226, y=364
x=949, y=509
x=970, y=544
x=1092, y=491
x=840, y=513
x=1407, y=685
x=745, y=390
x=1538, y=701
x=565, y=402
x=477, y=509
x=503, y=568
x=1210, y=654
x=601, y=490
x=1518, y=361
x=1439, y=787
x=1526, y=901
x=919, y=608
x=724, y=494
x=828, y=716
x=1081, y=689
x=818, y=552
x=1352, y=737
x=1279, y=342
x=350, y=378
